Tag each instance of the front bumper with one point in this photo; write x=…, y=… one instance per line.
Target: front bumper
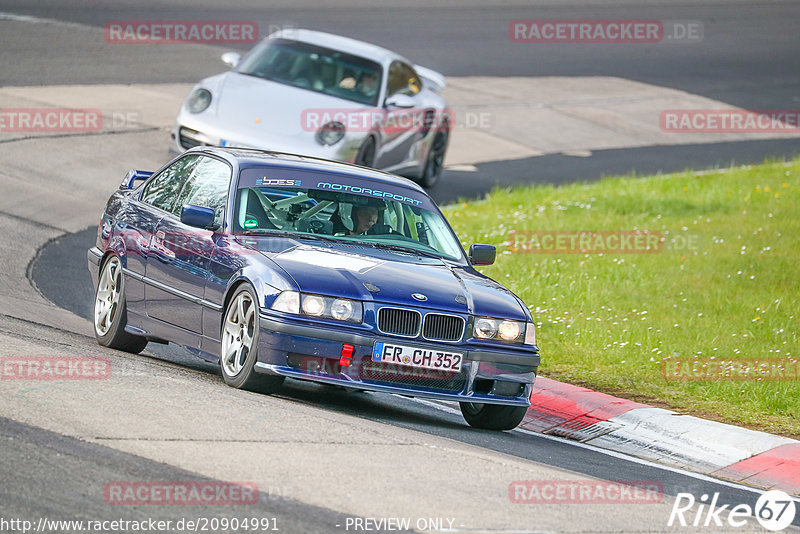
x=312, y=352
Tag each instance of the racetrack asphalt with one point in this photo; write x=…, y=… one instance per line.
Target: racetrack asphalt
x=744, y=60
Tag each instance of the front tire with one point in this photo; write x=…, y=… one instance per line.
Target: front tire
x=110, y=310
x=239, y=351
x=366, y=154
x=492, y=416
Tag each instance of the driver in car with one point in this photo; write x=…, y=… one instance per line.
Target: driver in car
x=368, y=85
x=364, y=218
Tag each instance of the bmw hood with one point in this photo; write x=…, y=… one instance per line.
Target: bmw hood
x=398, y=279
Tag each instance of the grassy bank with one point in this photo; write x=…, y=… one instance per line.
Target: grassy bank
x=723, y=283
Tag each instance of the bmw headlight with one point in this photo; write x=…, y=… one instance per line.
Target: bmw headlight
x=485, y=328
x=501, y=330
x=313, y=305
x=330, y=133
x=319, y=306
x=343, y=310
x=199, y=100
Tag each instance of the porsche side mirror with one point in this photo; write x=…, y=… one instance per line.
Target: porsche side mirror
x=482, y=254
x=231, y=59
x=400, y=101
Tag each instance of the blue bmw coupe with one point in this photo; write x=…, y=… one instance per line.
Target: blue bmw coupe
x=277, y=265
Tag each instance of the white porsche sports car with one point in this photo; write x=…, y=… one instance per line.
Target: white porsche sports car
x=323, y=95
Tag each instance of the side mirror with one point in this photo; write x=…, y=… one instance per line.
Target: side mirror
x=134, y=176
x=231, y=59
x=482, y=254
x=198, y=216
x=400, y=101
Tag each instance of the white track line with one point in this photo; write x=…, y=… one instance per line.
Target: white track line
x=13, y=17
x=613, y=454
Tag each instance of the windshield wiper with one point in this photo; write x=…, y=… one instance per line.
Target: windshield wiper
x=287, y=233
x=268, y=231
x=254, y=75
x=318, y=237
x=407, y=250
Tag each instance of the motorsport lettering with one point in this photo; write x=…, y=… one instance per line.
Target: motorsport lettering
x=366, y=191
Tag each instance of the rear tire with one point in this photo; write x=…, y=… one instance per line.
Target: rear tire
x=110, y=310
x=492, y=416
x=239, y=344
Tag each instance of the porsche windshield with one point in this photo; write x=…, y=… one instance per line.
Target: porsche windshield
x=316, y=69
x=322, y=214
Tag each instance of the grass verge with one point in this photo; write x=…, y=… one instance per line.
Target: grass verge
x=716, y=297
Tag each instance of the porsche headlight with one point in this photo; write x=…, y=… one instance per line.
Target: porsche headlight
x=199, y=100
x=330, y=133
x=319, y=306
x=499, y=329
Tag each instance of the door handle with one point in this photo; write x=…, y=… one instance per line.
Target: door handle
x=159, y=248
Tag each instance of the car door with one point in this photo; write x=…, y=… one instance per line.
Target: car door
x=402, y=127
x=142, y=215
x=177, y=267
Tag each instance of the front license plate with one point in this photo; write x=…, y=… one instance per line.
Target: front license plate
x=417, y=357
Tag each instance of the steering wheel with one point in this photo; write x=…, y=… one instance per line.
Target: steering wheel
x=316, y=226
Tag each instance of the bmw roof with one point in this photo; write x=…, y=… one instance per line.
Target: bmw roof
x=251, y=157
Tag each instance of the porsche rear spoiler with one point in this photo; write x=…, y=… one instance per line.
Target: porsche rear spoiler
x=435, y=80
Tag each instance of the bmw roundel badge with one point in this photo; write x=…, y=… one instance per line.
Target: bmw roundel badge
x=419, y=296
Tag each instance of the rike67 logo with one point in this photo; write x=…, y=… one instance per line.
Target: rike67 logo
x=774, y=510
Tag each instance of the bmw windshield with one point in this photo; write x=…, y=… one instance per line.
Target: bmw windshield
x=372, y=214
x=315, y=68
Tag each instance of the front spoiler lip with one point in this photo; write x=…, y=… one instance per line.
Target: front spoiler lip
x=367, y=386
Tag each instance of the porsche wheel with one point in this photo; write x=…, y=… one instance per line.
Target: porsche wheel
x=240, y=344
x=366, y=154
x=492, y=416
x=110, y=312
x=434, y=166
